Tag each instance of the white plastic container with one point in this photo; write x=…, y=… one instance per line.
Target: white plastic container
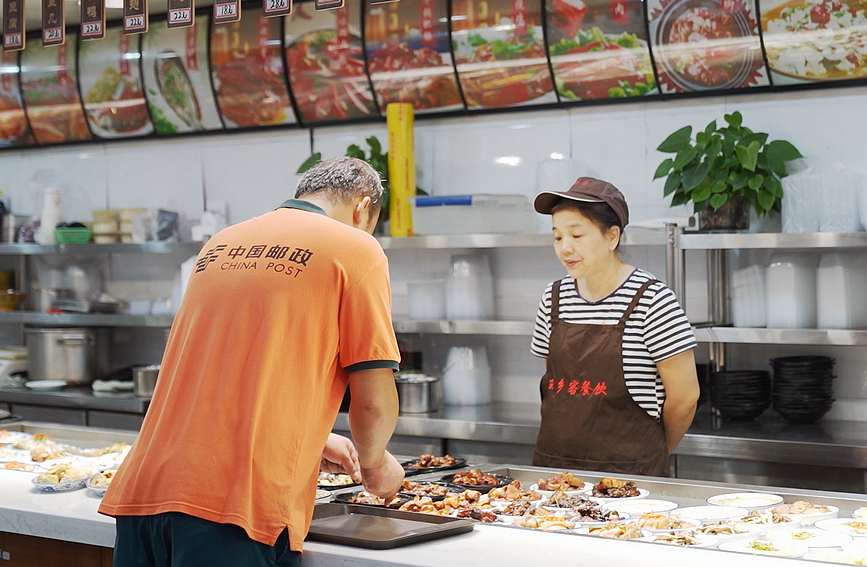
x=841, y=282
x=467, y=377
x=790, y=291
x=839, y=202
x=472, y=214
x=748, y=297
x=427, y=299
x=50, y=216
x=802, y=205
x=470, y=288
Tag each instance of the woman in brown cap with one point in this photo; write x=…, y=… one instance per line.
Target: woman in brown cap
x=620, y=385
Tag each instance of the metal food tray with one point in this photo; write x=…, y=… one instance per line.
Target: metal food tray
x=380, y=528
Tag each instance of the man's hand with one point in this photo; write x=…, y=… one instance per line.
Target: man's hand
x=340, y=456
x=385, y=478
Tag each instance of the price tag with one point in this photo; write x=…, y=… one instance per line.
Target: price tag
x=427, y=23
x=179, y=13
x=619, y=13
x=13, y=25
x=92, y=19
x=276, y=8
x=53, y=24
x=135, y=16
x=192, y=49
x=519, y=17
x=342, y=23
x=328, y=4
x=227, y=11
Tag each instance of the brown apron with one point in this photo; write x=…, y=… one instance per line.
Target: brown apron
x=589, y=419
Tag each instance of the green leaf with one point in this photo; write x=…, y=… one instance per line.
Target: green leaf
x=773, y=185
x=375, y=146
x=735, y=119
x=701, y=140
x=679, y=199
x=308, y=163
x=663, y=168
x=760, y=138
x=773, y=161
x=714, y=147
x=693, y=176
x=748, y=155
x=683, y=157
x=710, y=128
x=676, y=141
x=765, y=201
x=785, y=150
x=737, y=181
x=672, y=183
x=718, y=186
x=756, y=181
x=718, y=200
x=701, y=194
x=355, y=152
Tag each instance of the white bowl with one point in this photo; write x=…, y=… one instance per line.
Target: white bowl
x=850, y=526
x=748, y=500
x=751, y=531
x=98, y=490
x=860, y=513
x=745, y=546
x=588, y=486
x=642, y=493
x=837, y=556
x=711, y=513
x=703, y=539
x=59, y=486
x=809, y=519
x=642, y=506
x=812, y=537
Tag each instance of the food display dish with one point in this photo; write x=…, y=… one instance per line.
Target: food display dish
x=837, y=556
x=765, y=547
x=588, y=486
x=323, y=496
x=347, y=498
x=502, y=480
x=850, y=526
x=412, y=467
x=811, y=537
x=642, y=493
x=711, y=513
x=860, y=512
x=335, y=481
x=748, y=500
x=683, y=539
x=99, y=483
x=807, y=517
x=641, y=506
x=59, y=486
x=740, y=531
x=434, y=490
x=676, y=523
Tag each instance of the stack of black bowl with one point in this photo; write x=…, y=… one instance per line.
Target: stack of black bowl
x=803, y=390
x=740, y=395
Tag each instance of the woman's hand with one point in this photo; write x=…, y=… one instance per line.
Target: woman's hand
x=681, y=396
x=340, y=456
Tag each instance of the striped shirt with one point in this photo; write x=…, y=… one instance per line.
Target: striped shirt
x=656, y=330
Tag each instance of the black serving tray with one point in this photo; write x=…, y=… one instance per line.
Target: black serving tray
x=410, y=469
x=375, y=527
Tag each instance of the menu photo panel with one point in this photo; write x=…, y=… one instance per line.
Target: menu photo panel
x=815, y=42
x=706, y=45
x=14, y=128
x=500, y=53
x=599, y=49
x=409, y=54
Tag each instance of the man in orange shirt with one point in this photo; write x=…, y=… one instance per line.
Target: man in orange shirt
x=280, y=313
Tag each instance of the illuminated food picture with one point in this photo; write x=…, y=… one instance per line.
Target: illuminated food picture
x=702, y=46
x=328, y=80
x=388, y=66
x=54, y=109
x=115, y=103
x=177, y=89
x=13, y=122
x=589, y=63
x=817, y=40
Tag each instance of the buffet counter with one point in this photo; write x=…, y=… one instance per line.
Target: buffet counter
x=71, y=519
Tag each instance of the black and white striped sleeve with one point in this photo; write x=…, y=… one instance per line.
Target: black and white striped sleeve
x=542, y=328
x=667, y=331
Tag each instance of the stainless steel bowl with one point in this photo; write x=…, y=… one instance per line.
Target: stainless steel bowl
x=144, y=379
x=418, y=393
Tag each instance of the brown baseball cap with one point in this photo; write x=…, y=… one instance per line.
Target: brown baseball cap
x=587, y=190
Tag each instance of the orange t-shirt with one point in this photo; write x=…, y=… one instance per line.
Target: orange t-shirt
x=278, y=311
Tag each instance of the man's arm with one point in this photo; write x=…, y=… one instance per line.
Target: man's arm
x=373, y=413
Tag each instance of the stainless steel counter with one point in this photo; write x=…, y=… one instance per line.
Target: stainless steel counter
x=76, y=397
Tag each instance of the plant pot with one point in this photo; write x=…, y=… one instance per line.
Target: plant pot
x=733, y=215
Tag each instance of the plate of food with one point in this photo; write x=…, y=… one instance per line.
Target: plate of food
x=659, y=522
x=685, y=538
x=430, y=463
x=748, y=500
x=617, y=489
x=767, y=520
x=849, y=526
x=61, y=478
x=99, y=482
x=807, y=512
x=475, y=479
x=642, y=506
x=323, y=496
x=432, y=489
x=368, y=499
x=765, y=547
x=514, y=492
x=729, y=531
x=565, y=482
x=333, y=481
x=837, y=556
x=617, y=530
x=711, y=513
x=812, y=537
x=860, y=513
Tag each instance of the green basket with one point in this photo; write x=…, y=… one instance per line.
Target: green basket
x=73, y=235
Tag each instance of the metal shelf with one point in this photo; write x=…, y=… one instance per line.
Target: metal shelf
x=748, y=335
x=449, y=241
x=513, y=328
x=84, y=319
x=770, y=240
x=96, y=249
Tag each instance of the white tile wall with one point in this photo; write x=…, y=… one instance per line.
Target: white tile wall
x=503, y=153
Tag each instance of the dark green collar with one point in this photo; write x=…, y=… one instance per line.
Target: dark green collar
x=303, y=205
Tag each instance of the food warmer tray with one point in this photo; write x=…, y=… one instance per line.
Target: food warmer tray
x=380, y=528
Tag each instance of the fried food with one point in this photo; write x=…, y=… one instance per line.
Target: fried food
x=479, y=515
x=513, y=492
x=365, y=497
x=475, y=477
x=561, y=481
x=801, y=507
x=62, y=472
x=334, y=479
x=423, y=488
x=429, y=462
x=615, y=488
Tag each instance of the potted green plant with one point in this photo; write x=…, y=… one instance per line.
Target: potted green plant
x=723, y=171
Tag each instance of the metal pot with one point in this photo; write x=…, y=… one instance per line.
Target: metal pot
x=144, y=380
x=75, y=355
x=418, y=393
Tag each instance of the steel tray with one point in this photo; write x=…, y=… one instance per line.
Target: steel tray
x=380, y=528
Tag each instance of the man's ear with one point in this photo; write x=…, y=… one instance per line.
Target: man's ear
x=361, y=212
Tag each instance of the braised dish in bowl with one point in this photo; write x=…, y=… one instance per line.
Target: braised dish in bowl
x=368, y=499
x=477, y=480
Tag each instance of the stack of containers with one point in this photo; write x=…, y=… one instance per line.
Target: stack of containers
x=802, y=390
x=748, y=297
x=129, y=221
x=840, y=283
x=105, y=226
x=741, y=395
x=790, y=291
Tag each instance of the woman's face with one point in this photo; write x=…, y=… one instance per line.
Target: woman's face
x=581, y=246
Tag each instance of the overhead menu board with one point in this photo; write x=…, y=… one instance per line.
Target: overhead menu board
x=177, y=78
x=500, y=54
x=706, y=45
x=325, y=59
x=48, y=87
x=409, y=54
x=815, y=41
x=14, y=129
x=247, y=70
x=110, y=79
x=598, y=49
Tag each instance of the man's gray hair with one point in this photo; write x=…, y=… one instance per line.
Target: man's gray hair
x=342, y=179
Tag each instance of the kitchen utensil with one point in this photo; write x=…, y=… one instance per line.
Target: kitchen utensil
x=467, y=376
x=144, y=380
x=417, y=393
x=427, y=299
x=75, y=355
x=470, y=288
